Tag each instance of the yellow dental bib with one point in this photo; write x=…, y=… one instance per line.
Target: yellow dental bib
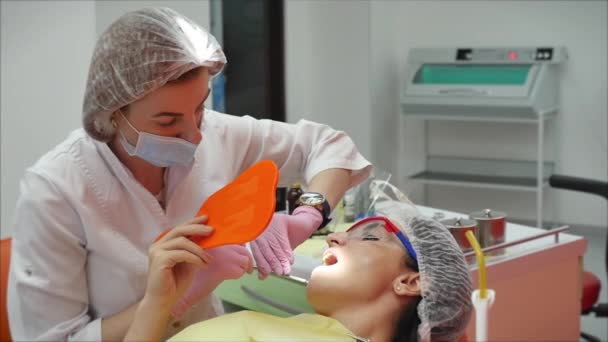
x=256, y=326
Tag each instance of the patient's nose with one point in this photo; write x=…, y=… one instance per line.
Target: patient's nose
x=336, y=239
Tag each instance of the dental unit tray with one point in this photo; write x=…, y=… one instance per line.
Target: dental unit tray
x=240, y=211
x=555, y=232
x=511, y=83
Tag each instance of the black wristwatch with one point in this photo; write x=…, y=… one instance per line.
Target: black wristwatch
x=317, y=201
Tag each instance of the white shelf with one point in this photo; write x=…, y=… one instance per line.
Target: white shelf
x=529, y=119
x=484, y=173
x=477, y=181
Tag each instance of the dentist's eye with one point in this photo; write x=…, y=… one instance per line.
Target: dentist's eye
x=168, y=123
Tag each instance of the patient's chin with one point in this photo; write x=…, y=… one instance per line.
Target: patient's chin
x=326, y=280
x=328, y=292
x=328, y=271
x=321, y=295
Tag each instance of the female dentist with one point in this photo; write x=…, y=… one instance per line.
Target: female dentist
x=148, y=155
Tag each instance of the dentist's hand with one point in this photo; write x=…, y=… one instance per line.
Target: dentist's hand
x=173, y=260
x=273, y=250
x=228, y=262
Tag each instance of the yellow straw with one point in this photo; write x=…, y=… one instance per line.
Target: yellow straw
x=481, y=261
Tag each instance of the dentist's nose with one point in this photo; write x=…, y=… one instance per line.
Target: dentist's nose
x=192, y=133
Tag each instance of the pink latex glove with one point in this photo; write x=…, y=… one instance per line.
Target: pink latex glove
x=273, y=250
x=229, y=262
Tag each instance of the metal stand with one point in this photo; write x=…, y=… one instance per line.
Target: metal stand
x=528, y=176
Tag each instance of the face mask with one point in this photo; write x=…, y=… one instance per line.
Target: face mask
x=159, y=150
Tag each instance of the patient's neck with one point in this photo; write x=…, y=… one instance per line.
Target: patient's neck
x=373, y=320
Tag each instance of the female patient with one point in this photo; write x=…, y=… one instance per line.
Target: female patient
x=398, y=277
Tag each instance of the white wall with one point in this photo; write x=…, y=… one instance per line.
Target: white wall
x=46, y=49
x=579, y=135
x=344, y=61
x=109, y=10
x=327, y=65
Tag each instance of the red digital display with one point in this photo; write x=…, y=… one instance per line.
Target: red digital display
x=512, y=55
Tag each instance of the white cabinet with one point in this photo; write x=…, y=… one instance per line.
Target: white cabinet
x=487, y=84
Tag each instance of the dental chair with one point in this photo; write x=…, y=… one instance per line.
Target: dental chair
x=591, y=283
x=5, y=259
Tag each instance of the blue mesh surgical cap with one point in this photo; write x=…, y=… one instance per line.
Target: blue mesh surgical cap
x=139, y=53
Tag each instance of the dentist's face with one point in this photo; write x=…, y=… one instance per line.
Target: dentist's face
x=358, y=266
x=174, y=110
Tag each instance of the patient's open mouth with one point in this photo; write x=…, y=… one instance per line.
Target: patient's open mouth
x=329, y=258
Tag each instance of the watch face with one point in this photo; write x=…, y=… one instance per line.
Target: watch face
x=312, y=198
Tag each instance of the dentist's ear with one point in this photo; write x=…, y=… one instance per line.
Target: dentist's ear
x=407, y=284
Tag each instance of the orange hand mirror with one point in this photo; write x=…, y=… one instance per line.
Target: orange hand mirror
x=240, y=211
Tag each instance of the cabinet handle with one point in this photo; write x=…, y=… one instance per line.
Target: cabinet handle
x=257, y=296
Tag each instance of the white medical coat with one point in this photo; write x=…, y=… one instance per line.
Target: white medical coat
x=83, y=224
